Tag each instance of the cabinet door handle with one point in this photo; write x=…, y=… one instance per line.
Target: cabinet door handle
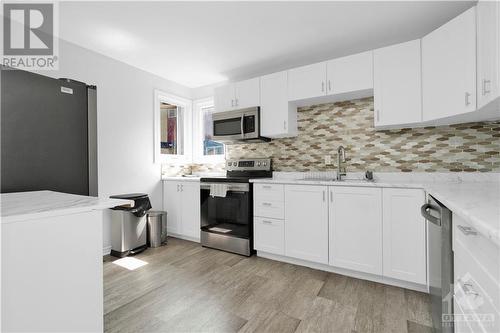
x=467, y=231
x=323, y=86
x=232, y=102
x=323, y=196
x=236, y=102
x=266, y=186
x=467, y=101
x=485, y=85
x=378, y=115
x=331, y=196
x=177, y=187
x=284, y=124
x=267, y=222
x=329, y=85
x=266, y=204
x=182, y=187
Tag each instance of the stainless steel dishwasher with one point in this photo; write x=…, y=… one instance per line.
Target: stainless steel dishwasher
x=439, y=219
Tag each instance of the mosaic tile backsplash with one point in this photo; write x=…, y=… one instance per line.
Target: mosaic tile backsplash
x=322, y=128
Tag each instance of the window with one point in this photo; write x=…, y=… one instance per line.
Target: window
x=206, y=150
x=172, y=128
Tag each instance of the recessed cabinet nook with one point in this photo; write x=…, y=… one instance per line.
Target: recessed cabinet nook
x=448, y=76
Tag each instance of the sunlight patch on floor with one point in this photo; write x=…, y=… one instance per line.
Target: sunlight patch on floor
x=130, y=263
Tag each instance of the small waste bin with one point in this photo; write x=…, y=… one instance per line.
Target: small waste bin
x=128, y=227
x=157, y=228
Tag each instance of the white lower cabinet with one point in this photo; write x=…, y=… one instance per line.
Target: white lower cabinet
x=356, y=228
x=181, y=201
x=476, y=268
x=404, y=252
x=269, y=235
x=371, y=230
x=306, y=223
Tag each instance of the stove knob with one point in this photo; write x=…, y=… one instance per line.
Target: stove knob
x=258, y=164
x=235, y=164
x=228, y=164
x=264, y=163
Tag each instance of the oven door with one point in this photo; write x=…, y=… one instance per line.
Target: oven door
x=236, y=125
x=226, y=222
x=229, y=215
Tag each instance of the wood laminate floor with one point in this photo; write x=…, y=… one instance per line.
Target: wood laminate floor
x=188, y=288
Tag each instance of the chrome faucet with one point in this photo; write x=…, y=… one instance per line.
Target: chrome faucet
x=341, y=171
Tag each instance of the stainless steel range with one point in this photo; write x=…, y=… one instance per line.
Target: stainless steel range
x=227, y=206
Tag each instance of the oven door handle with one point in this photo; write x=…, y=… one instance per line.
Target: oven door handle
x=428, y=216
x=231, y=187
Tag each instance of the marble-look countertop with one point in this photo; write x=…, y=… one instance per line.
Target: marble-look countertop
x=22, y=206
x=477, y=202
x=194, y=177
x=181, y=178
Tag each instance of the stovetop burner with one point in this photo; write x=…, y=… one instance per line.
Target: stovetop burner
x=241, y=171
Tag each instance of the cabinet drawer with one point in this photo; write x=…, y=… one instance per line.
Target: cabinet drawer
x=269, y=235
x=269, y=208
x=482, y=250
x=272, y=192
x=476, y=292
x=461, y=325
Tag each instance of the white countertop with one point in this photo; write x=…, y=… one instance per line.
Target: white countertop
x=477, y=202
x=181, y=178
x=39, y=204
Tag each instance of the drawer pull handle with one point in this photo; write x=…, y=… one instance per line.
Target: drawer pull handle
x=468, y=290
x=266, y=204
x=267, y=222
x=467, y=231
x=266, y=186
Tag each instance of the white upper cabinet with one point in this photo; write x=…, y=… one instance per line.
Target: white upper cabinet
x=397, y=85
x=449, y=68
x=404, y=235
x=307, y=81
x=239, y=95
x=224, y=97
x=306, y=222
x=488, y=51
x=356, y=228
x=247, y=93
x=278, y=116
x=351, y=73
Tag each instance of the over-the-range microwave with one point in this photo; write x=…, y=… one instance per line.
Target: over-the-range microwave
x=237, y=125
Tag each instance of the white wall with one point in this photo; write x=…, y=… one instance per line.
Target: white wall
x=125, y=121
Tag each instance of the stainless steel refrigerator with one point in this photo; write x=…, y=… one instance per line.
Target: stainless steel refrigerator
x=48, y=134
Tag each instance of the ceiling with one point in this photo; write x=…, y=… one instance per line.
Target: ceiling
x=201, y=43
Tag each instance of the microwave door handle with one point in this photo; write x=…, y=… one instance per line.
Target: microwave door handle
x=241, y=125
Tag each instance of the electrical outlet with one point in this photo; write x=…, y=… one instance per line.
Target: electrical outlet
x=328, y=160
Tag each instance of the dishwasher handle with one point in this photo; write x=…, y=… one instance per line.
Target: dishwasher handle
x=424, y=211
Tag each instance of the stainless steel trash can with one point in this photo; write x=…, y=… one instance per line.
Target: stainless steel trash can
x=157, y=228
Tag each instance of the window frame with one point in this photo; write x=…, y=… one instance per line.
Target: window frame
x=186, y=157
x=198, y=156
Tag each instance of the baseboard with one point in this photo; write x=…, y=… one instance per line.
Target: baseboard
x=106, y=250
x=347, y=272
x=188, y=238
